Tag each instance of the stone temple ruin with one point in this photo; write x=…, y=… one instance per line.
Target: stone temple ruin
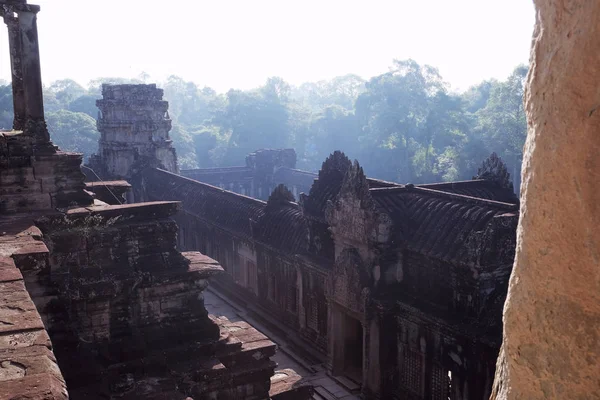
x=134, y=125
x=396, y=291
x=96, y=302
x=396, y=288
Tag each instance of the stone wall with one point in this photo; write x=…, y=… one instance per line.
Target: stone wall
x=129, y=318
x=259, y=249
x=28, y=366
x=287, y=287
x=551, y=343
x=38, y=181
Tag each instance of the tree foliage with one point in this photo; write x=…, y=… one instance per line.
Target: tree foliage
x=404, y=125
x=73, y=131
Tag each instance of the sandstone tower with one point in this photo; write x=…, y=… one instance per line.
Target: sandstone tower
x=134, y=125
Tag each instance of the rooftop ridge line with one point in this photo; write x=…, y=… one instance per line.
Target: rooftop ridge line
x=215, y=188
x=218, y=169
x=440, y=193
x=427, y=185
x=302, y=171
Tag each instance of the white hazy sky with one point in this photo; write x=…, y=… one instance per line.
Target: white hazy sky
x=239, y=43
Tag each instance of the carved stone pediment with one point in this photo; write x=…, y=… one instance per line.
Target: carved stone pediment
x=353, y=216
x=351, y=280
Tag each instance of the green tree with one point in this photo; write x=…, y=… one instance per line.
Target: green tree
x=95, y=85
x=66, y=90
x=85, y=104
x=184, y=145
x=341, y=91
x=333, y=129
x=206, y=143
x=6, y=107
x=502, y=125
x=73, y=131
x=407, y=119
x=256, y=119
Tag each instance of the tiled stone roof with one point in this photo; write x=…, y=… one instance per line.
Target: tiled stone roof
x=482, y=188
x=432, y=222
x=283, y=228
x=436, y=223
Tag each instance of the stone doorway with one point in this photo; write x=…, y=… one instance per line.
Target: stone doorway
x=353, y=349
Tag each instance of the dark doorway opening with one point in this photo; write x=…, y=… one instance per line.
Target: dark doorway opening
x=353, y=349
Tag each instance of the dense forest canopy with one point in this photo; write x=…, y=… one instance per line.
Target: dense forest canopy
x=404, y=125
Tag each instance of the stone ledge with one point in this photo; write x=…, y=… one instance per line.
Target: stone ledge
x=202, y=265
x=286, y=384
x=242, y=344
x=28, y=368
x=154, y=209
x=36, y=387
x=110, y=184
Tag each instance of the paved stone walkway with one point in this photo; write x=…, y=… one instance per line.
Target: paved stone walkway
x=326, y=388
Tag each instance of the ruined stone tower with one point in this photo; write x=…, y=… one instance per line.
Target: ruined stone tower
x=134, y=125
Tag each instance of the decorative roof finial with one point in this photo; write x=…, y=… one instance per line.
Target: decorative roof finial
x=281, y=195
x=494, y=169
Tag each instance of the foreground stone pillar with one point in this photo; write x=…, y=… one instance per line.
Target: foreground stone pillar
x=16, y=53
x=551, y=347
x=32, y=86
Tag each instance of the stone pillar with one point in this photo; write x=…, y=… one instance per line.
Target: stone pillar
x=16, y=54
x=300, y=302
x=32, y=84
x=551, y=343
x=336, y=337
x=373, y=367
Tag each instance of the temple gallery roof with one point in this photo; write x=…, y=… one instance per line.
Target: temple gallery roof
x=225, y=209
x=438, y=220
x=480, y=188
x=438, y=224
x=281, y=227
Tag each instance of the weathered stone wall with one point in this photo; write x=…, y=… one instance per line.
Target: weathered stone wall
x=255, y=244
x=130, y=318
x=287, y=288
x=28, y=367
x=31, y=180
x=551, y=341
x=422, y=361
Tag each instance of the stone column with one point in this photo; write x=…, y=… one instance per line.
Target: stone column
x=32, y=82
x=551, y=343
x=16, y=54
x=373, y=367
